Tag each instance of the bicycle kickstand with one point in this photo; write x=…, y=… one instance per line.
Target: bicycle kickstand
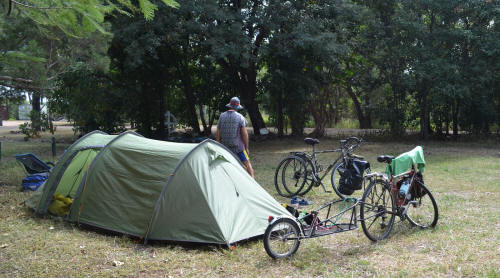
x=324, y=188
x=407, y=206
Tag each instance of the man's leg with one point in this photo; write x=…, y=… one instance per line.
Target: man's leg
x=248, y=165
x=246, y=162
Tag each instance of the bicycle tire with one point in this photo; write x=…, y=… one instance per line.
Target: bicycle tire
x=374, y=205
x=281, y=238
x=417, y=214
x=297, y=175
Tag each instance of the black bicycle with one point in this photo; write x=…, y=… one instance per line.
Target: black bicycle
x=298, y=173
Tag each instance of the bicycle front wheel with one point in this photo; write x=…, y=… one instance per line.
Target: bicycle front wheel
x=281, y=238
x=377, y=210
x=335, y=180
x=423, y=211
x=290, y=176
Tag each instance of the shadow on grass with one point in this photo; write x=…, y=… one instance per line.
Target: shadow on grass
x=61, y=223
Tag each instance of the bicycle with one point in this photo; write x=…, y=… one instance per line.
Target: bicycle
x=300, y=172
x=417, y=204
x=284, y=233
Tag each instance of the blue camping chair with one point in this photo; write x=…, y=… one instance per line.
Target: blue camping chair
x=32, y=164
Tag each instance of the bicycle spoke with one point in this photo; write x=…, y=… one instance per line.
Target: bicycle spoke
x=372, y=222
x=281, y=238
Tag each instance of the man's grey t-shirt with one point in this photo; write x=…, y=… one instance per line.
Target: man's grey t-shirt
x=230, y=123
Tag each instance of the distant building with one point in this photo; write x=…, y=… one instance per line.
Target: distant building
x=24, y=111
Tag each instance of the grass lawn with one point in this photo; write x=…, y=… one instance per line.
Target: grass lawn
x=464, y=178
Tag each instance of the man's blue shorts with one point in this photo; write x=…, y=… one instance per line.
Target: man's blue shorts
x=243, y=156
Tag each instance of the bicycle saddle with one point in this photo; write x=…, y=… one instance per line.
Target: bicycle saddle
x=311, y=141
x=385, y=158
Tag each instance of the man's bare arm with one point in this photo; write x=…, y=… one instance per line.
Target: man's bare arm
x=217, y=135
x=244, y=137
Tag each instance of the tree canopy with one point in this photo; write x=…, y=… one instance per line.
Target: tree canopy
x=392, y=64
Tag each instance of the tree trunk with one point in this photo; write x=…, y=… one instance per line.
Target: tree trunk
x=211, y=120
x=246, y=80
x=207, y=125
x=447, y=126
x=203, y=119
x=279, y=116
x=35, y=116
x=439, y=126
x=190, y=101
x=424, y=117
x=145, y=115
x=161, y=128
x=318, y=107
x=455, y=118
x=319, y=127
x=255, y=117
x=364, y=120
x=248, y=97
x=336, y=113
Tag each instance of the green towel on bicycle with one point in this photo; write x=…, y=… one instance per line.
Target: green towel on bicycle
x=404, y=161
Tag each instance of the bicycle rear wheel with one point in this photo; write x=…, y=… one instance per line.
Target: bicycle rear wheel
x=290, y=176
x=423, y=212
x=377, y=210
x=309, y=179
x=281, y=238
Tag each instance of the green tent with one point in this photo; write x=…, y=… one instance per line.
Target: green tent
x=159, y=190
x=66, y=176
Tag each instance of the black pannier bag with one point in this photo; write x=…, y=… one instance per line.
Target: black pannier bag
x=417, y=190
x=351, y=177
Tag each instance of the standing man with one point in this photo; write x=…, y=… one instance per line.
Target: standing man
x=232, y=132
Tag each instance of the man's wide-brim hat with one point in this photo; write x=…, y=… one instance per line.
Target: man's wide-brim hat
x=234, y=104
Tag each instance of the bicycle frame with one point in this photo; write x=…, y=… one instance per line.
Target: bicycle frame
x=317, y=229
x=309, y=173
x=314, y=161
x=392, y=180
x=312, y=231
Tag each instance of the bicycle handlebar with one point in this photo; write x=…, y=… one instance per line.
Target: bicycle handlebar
x=349, y=149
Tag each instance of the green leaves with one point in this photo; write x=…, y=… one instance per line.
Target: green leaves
x=79, y=18
x=24, y=56
x=171, y=3
x=148, y=9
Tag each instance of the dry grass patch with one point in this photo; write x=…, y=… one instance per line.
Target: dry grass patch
x=464, y=178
